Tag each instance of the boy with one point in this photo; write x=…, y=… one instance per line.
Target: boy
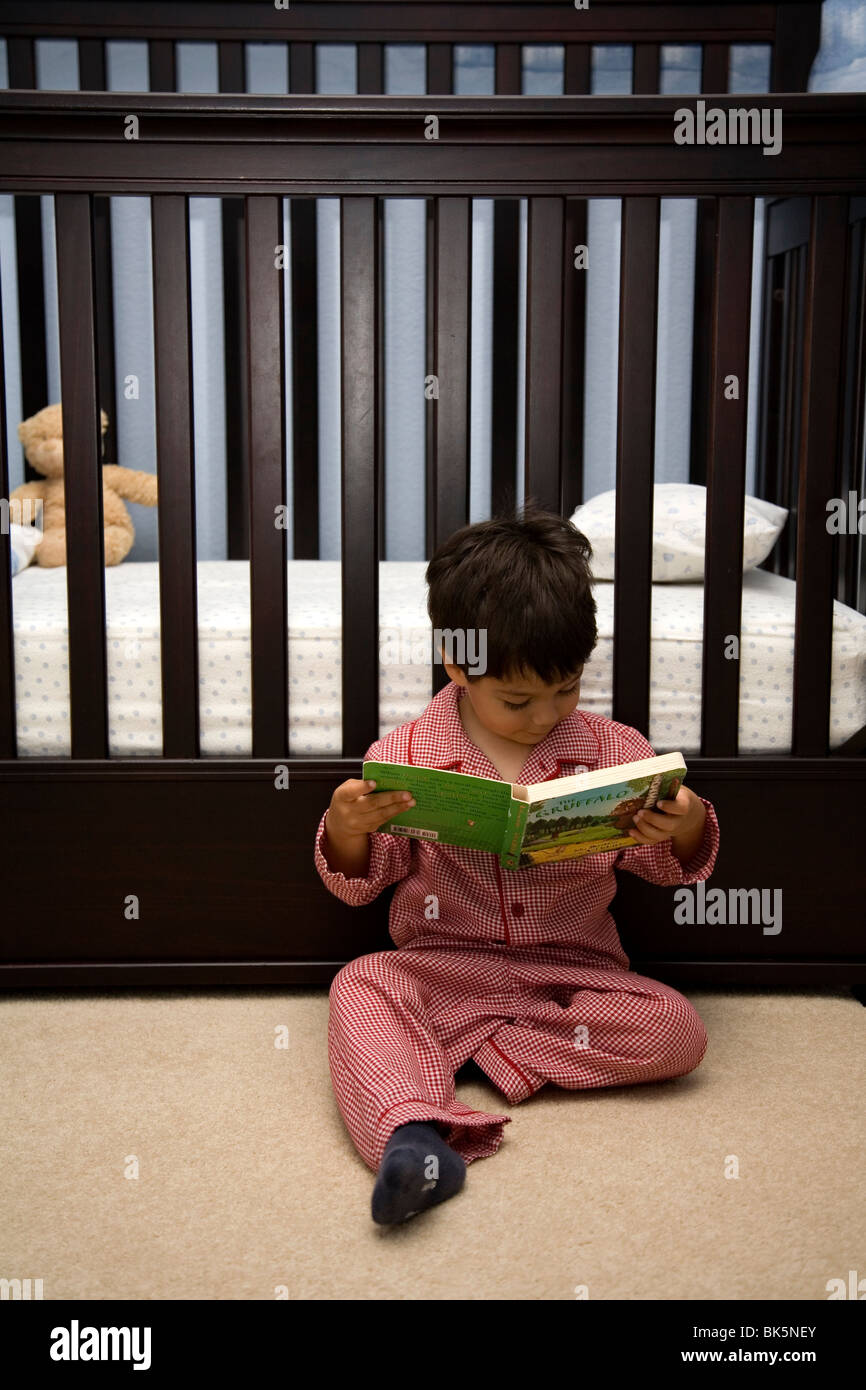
x=523, y=972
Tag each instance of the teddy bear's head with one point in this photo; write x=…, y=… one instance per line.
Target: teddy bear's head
x=42, y=437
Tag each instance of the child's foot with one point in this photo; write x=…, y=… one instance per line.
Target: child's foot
x=418, y=1170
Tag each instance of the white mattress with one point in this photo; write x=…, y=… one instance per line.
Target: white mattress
x=135, y=725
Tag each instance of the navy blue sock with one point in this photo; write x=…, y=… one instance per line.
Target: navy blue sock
x=470, y=1071
x=418, y=1170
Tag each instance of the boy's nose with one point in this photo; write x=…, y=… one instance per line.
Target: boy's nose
x=544, y=721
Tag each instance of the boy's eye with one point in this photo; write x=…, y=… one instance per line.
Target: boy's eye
x=509, y=705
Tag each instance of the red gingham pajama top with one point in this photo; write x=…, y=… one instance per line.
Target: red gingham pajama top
x=522, y=971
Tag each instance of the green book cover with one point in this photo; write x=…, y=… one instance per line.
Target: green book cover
x=567, y=818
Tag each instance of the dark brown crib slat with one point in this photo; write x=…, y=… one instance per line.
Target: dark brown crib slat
x=771, y=351
x=440, y=68
x=268, y=601
x=31, y=291
x=795, y=307
x=91, y=65
x=360, y=302
x=726, y=476
x=91, y=78
x=380, y=374
x=305, y=343
x=783, y=556
x=102, y=273
x=854, y=417
x=302, y=68
x=645, y=70
x=702, y=327
x=715, y=59
x=232, y=78
x=371, y=72
x=509, y=69
x=638, y=306
x=577, y=81
x=506, y=309
x=449, y=298
x=578, y=68
x=573, y=355
x=305, y=380
x=174, y=450
x=162, y=65
x=544, y=300
x=85, y=577
x=505, y=370
x=448, y=315
x=798, y=34
x=8, y=741
x=21, y=59
x=714, y=78
x=822, y=355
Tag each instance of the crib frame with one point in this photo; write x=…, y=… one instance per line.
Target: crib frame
x=261, y=915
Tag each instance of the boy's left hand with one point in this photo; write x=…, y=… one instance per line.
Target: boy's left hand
x=676, y=819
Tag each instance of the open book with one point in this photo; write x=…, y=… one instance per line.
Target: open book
x=566, y=818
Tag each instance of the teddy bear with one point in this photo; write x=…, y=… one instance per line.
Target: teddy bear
x=42, y=437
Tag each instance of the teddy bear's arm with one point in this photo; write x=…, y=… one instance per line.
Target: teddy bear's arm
x=130, y=483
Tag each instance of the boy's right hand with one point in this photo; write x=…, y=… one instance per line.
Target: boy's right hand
x=355, y=812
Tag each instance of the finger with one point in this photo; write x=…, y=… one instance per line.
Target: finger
x=353, y=788
x=379, y=812
x=382, y=799
x=648, y=834
x=644, y=819
x=654, y=835
x=674, y=808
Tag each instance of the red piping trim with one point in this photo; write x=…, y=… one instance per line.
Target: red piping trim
x=502, y=903
x=514, y=1065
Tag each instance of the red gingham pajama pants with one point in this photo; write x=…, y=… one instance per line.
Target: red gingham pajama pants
x=403, y=1022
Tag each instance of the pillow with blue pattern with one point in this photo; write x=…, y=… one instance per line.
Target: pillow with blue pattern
x=679, y=525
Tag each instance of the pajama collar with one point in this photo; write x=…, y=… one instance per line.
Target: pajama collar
x=437, y=739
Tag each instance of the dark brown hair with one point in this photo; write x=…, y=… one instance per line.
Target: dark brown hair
x=525, y=578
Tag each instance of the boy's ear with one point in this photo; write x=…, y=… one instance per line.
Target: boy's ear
x=453, y=672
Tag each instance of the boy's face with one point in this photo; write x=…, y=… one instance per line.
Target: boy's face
x=519, y=708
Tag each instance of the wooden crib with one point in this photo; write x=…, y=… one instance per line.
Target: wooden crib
x=216, y=852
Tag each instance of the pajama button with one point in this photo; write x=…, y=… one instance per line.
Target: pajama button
x=517, y=909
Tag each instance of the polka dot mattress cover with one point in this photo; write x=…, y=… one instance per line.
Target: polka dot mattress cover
x=315, y=705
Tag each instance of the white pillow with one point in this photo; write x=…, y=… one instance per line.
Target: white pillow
x=679, y=521
x=24, y=541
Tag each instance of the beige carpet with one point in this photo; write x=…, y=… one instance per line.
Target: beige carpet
x=248, y=1182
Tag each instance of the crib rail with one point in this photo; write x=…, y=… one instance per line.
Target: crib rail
x=361, y=149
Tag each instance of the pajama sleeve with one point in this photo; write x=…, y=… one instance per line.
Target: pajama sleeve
x=657, y=863
x=390, y=858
